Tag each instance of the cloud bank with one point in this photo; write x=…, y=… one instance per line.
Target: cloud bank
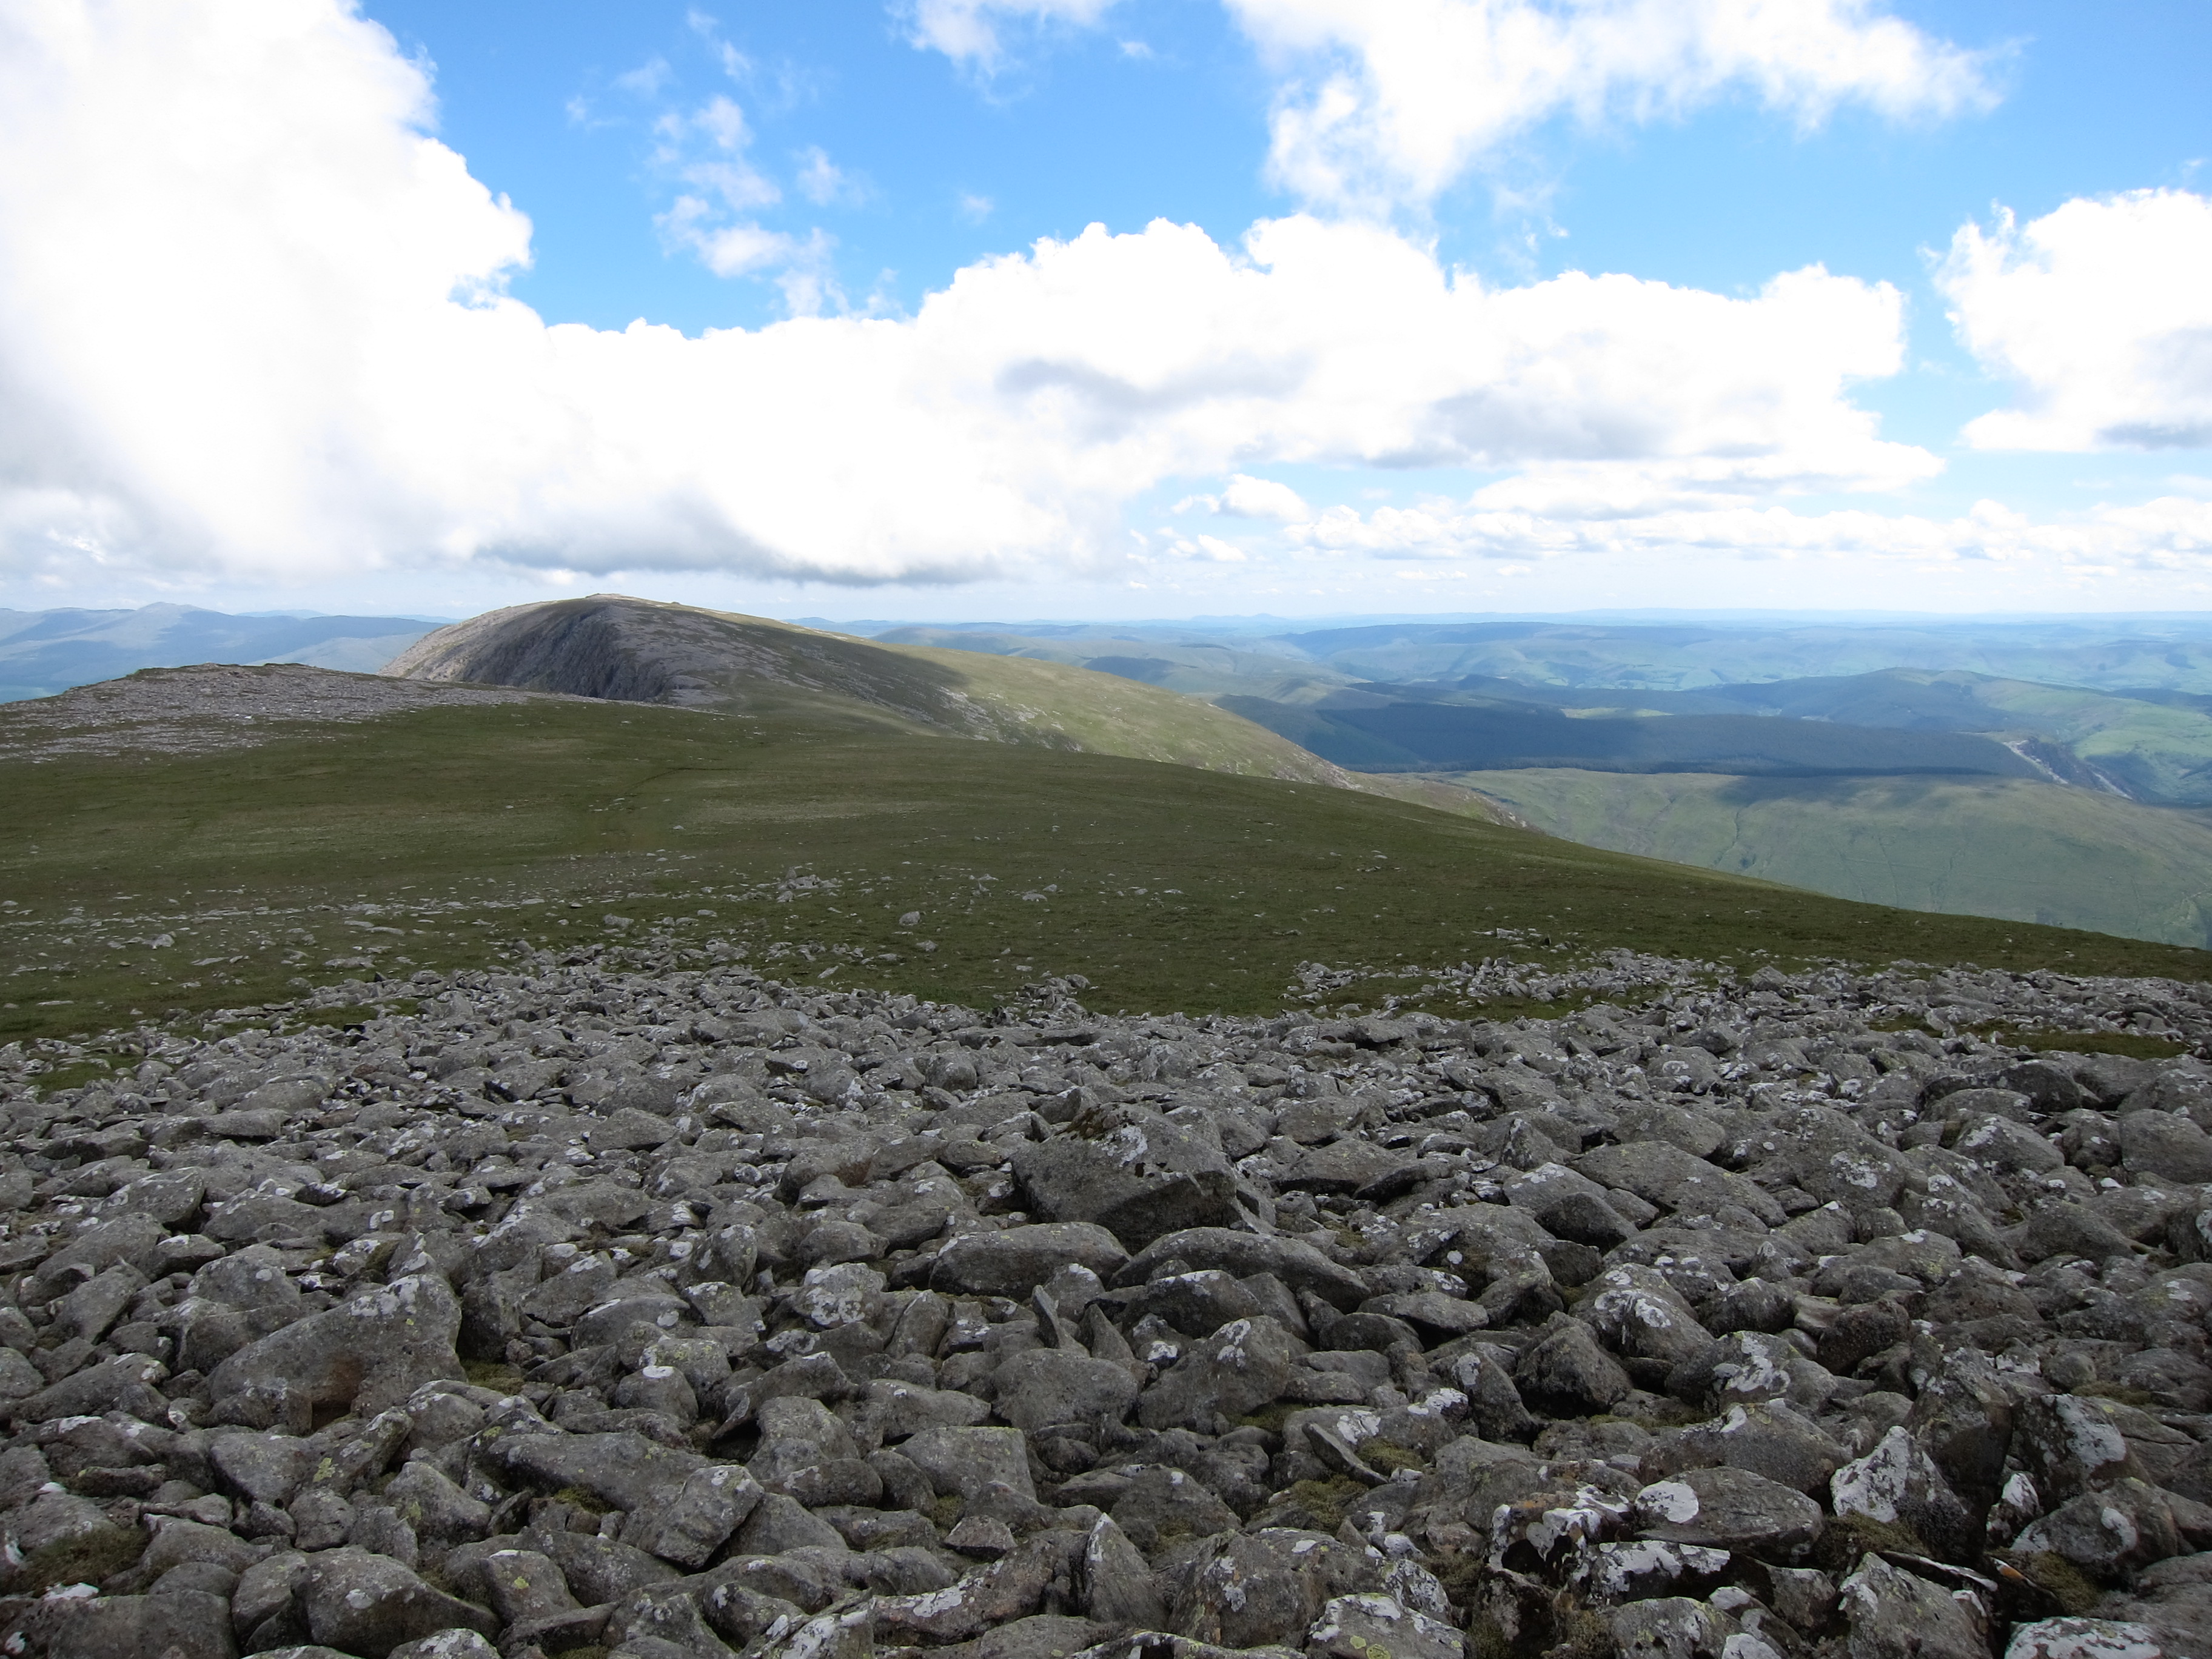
x=2101, y=311
x=252, y=323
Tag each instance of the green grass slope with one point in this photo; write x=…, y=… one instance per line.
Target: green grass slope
x=152, y=881
x=1196, y=668
x=2026, y=852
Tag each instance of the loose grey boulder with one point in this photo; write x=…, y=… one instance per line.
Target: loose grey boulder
x=369, y=1354
x=1731, y=1509
x=1893, y=1614
x=1016, y=1261
x=1046, y=1386
x=367, y=1605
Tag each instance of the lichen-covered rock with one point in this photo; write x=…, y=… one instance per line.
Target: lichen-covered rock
x=1731, y=1509
x=368, y=1604
x=1248, y=1589
x=370, y=1353
x=1893, y=1615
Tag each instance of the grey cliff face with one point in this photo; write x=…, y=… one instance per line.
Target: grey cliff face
x=679, y=1314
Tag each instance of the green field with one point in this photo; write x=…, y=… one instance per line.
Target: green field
x=439, y=839
x=2029, y=851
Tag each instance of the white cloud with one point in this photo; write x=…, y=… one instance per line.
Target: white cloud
x=708, y=28
x=1390, y=103
x=2102, y=312
x=252, y=322
x=968, y=31
x=976, y=208
x=1247, y=497
x=646, y=79
x=820, y=180
x=707, y=149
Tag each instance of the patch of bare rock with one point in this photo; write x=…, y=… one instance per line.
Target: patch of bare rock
x=680, y=1316
x=215, y=705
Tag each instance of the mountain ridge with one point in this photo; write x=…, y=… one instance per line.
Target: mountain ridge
x=613, y=647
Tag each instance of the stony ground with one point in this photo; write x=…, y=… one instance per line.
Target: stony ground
x=212, y=705
x=674, y=1314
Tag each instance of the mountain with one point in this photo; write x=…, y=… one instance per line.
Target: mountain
x=632, y=650
x=44, y=652
x=2030, y=851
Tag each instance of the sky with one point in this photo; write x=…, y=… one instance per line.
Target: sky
x=962, y=309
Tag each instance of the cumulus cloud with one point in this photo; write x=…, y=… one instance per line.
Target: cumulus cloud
x=253, y=322
x=1388, y=103
x=1247, y=497
x=2101, y=311
x=968, y=31
x=713, y=216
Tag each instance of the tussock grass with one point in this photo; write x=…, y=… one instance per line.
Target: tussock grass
x=445, y=838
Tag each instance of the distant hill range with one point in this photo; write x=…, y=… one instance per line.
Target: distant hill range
x=43, y=653
x=1914, y=781
x=2171, y=653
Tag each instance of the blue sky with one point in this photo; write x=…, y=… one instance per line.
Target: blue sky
x=865, y=390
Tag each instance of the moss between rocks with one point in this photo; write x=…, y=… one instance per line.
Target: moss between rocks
x=1485, y=1637
x=1461, y=1575
x=2133, y=1044
x=1848, y=1537
x=2120, y=1392
x=88, y=1559
x=1324, y=1500
x=580, y=1653
x=2066, y=1583
x=1270, y=1418
x=1582, y=1635
x=1388, y=1459
x=577, y=1497
x=946, y=1511
x=495, y=1374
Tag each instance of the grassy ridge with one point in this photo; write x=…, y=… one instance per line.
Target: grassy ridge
x=611, y=646
x=2031, y=852
x=1070, y=707
x=437, y=839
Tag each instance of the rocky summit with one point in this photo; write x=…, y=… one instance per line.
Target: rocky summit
x=675, y=1314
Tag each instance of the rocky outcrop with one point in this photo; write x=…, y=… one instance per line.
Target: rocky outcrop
x=1755, y=1319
